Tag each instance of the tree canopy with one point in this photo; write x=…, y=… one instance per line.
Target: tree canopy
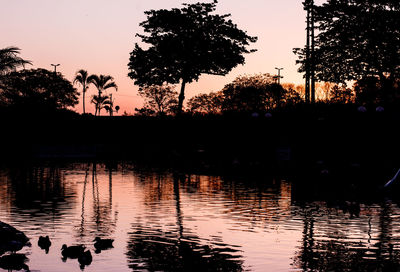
x=37, y=88
x=185, y=43
x=158, y=100
x=255, y=93
x=9, y=59
x=356, y=39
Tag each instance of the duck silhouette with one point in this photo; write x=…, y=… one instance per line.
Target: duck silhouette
x=85, y=259
x=14, y=262
x=101, y=244
x=72, y=252
x=44, y=243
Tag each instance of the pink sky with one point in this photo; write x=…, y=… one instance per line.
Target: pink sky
x=98, y=35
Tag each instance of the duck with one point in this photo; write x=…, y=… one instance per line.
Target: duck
x=14, y=261
x=72, y=252
x=85, y=259
x=101, y=244
x=44, y=243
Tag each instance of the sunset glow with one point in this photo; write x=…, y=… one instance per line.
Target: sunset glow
x=98, y=35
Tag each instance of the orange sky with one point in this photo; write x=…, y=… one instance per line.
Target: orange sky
x=98, y=35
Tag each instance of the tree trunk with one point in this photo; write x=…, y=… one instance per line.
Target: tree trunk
x=84, y=101
x=181, y=97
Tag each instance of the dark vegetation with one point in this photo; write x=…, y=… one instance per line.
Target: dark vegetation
x=252, y=123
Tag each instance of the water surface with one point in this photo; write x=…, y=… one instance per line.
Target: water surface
x=173, y=221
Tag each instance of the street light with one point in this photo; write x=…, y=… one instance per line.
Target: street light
x=55, y=67
x=279, y=74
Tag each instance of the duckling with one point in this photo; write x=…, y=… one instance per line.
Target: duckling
x=101, y=244
x=85, y=259
x=72, y=252
x=14, y=262
x=44, y=243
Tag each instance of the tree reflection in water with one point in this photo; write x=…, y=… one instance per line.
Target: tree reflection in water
x=102, y=221
x=155, y=250
x=30, y=186
x=339, y=252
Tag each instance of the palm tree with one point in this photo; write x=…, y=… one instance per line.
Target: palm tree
x=10, y=61
x=101, y=102
x=102, y=83
x=81, y=78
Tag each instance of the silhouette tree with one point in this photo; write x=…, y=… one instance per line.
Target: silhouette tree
x=357, y=39
x=206, y=103
x=102, y=83
x=81, y=78
x=101, y=102
x=185, y=43
x=10, y=61
x=252, y=94
x=159, y=100
x=38, y=89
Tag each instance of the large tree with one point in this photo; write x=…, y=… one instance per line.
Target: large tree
x=356, y=39
x=10, y=61
x=38, y=89
x=182, y=44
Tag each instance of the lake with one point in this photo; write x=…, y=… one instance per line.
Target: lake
x=166, y=220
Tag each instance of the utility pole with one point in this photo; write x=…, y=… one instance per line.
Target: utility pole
x=279, y=75
x=310, y=53
x=55, y=67
x=312, y=68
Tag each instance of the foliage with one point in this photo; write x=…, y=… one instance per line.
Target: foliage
x=185, y=43
x=10, y=61
x=356, y=40
x=102, y=83
x=82, y=78
x=373, y=90
x=253, y=94
x=159, y=100
x=341, y=94
x=37, y=88
x=101, y=102
x=206, y=103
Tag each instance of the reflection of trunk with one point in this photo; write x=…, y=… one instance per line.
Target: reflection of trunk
x=95, y=191
x=181, y=96
x=307, y=255
x=385, y=232
x=177, y=178
x=82, y=228
x=110, y=186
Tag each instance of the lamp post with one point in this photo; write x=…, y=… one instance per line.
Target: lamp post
x=279, y=75
x=55, y=67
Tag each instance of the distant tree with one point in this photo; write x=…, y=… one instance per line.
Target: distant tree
x=37, y=89
x=206, y=103
x=10, y=61
x=341, y=94
x=102, y=83
x=253, y=93
x=117, y=108
x=158, y=100
x=356, y=39
x=291, y=96
x=185, y=43
x=101, y=102
x=82, y=78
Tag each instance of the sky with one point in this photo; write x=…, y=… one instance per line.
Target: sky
x=98, y=35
